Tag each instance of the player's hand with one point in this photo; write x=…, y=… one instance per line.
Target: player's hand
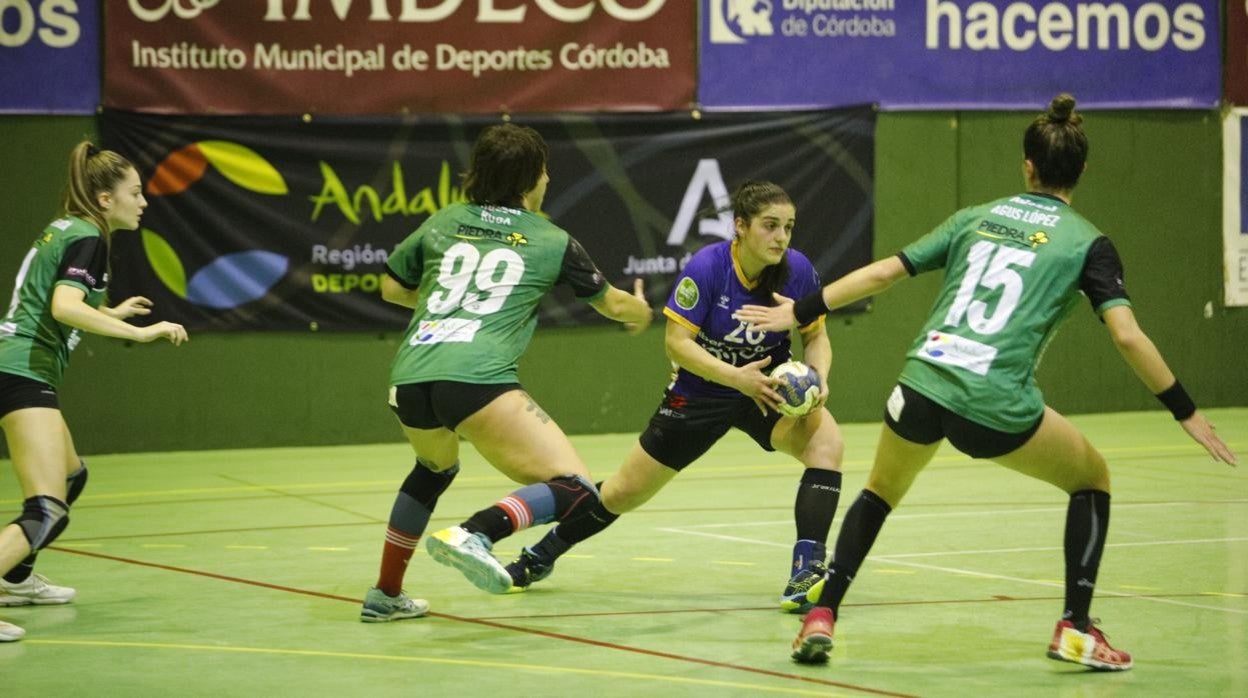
x=1205, y=434
x=640, y=326
x=758, y=386
x=774, y=319
x=171, y=331
x=823, y=393
x=134, y=305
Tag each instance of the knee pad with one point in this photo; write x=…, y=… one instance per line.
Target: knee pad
x=75, y=483
x=573, y=494
x=42, y=520
x=425, y=485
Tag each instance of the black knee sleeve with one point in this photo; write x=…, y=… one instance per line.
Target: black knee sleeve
x=75, y=483
x=42, y=520
x=573, y=495
x=425, y=485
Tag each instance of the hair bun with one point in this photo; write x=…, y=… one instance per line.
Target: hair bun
x=1061, y=107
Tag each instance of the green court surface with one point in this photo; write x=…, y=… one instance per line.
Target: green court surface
x=230, y=573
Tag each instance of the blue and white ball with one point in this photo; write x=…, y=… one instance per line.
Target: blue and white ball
x=799, y=386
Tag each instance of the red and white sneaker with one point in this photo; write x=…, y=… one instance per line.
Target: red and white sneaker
x=814, y=642
x=1089, y=649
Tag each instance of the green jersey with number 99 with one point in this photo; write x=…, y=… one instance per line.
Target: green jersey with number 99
x=34, y=344
x=1013, y=270
x=481, y=272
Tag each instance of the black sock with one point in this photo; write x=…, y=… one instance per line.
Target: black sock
x=589, y=523
x=1087, y=522
x=815, y=506
x=862, y=524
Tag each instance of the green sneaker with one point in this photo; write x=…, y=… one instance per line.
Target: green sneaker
x=470, y=554
x=380, y=608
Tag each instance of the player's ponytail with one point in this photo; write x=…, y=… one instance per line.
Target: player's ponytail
x=92, y=171
x=1056, y=144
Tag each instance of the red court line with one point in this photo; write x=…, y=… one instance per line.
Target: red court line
x=501, y=626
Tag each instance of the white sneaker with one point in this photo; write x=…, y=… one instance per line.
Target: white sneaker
x=469, y=553
x=10, y=632
x=380, y=608
x=35, y=590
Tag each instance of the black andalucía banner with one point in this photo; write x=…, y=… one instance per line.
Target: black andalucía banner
x=270, y=223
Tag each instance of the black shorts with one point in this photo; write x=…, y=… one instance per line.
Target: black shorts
x=682, y=429
x=442, y=403
x=20, y=392
x=923, y=421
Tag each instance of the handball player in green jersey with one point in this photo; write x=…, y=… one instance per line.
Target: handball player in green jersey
x=473, y=274
x=720, y=382
x=60, y=293
x=1014, y=268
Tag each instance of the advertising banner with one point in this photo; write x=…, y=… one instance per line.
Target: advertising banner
x=353, y=57
x=959, y=54
x=271, y=223
x=49, y=56
x=1237, y=52
x=1235, y=206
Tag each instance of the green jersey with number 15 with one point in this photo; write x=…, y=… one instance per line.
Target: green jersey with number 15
x=1013, y=270
x=481, y=272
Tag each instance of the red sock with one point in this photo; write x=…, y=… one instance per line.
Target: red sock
x=395, y=555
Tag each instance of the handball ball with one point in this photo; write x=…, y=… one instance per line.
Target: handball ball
x=799, y=387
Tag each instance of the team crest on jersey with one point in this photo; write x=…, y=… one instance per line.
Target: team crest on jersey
x=687, y=293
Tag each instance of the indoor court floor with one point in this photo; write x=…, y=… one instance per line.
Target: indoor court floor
x=232, y=573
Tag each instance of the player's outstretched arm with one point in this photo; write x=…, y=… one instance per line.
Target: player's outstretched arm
x=69, y=306
x=631, y=309
x=856, y=285
x=1142, y=356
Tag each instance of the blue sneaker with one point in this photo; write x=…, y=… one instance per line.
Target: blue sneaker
x=470, y=554
x=526, y=569
x=804, y=588
x=381, y=608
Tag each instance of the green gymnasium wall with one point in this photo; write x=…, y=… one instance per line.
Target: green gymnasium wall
x=1153, y=184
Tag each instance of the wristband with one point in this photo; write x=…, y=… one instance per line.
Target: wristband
x=1176, y=399
x=809, y=308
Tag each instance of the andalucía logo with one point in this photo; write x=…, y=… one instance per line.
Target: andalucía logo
x=232, y=279
x=733, y=20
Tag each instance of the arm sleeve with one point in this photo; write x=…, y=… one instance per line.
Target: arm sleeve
x=1101, y=280
x=407, y=262
x=84, y=263
x=580, y=272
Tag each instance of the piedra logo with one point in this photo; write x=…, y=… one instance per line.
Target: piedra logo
x=232, y=279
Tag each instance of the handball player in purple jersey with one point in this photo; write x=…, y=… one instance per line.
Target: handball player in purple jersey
x=721, y=381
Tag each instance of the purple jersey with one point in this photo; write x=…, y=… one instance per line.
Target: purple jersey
x=710, y=289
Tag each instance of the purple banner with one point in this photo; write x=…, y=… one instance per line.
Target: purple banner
x=49, y=56
x=959, y=54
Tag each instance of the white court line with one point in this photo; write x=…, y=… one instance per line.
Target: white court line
x=1099, y=592
x=1056, y=547
x=892, y=560
x=991, y=512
